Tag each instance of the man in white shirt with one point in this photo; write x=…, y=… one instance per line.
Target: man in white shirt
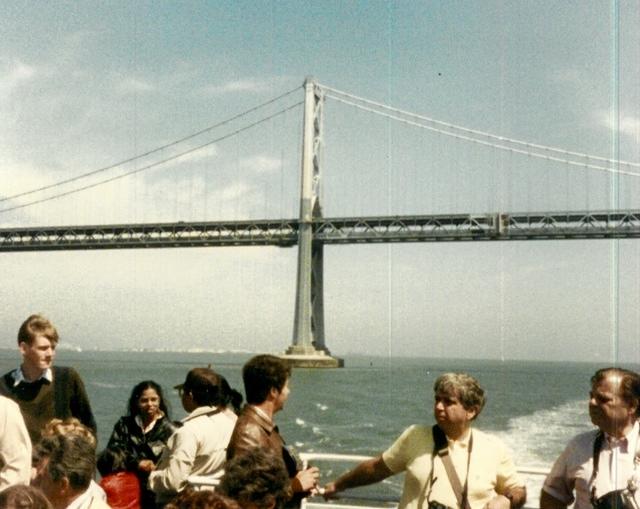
x=198, y=448
x=15, y=446
x=613, y=407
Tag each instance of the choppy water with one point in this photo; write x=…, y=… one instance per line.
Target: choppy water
x=533, y=406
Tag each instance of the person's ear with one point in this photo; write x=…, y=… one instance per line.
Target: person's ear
x=64, y=487
x=273, y=393
x=269, y=502
x=472, y=413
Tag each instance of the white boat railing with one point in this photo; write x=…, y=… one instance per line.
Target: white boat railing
x=534, y=477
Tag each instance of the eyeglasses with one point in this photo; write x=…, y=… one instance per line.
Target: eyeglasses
x=180, y=391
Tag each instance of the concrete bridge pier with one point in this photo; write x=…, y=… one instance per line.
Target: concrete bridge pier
x=308, y=347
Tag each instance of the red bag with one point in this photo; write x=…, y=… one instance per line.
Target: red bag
x=122, y=489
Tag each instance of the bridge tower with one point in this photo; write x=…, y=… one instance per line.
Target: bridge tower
x=308, y=347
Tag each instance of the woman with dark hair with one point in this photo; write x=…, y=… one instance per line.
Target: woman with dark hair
x=143, y=433
x=199, y=447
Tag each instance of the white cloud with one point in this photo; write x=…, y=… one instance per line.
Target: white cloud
x=24, y=177
x=235, y=191
x=630, y=126
x=627, y=125
x=198, y=155
x=12, y=74
x=261, y=164
x=133, y=85
x=248, y=85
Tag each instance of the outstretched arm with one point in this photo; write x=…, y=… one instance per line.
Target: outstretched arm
x=367, y=472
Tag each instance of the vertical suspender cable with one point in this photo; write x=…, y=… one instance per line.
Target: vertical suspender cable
x=614, y=179
x=389, y=191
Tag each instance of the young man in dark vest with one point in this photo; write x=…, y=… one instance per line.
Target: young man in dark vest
x=43, y=391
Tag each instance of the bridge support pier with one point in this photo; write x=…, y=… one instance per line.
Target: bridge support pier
x=308, y=348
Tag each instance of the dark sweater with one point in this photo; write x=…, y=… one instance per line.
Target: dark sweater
x=41, y=401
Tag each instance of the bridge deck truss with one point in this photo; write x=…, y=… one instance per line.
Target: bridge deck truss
x=351, y=230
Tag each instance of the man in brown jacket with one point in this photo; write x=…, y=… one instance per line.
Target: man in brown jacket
x=266, y=384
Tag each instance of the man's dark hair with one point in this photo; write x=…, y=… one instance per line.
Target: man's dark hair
x=209, y=388
x=37, y=325
x=629, y=384
x=72, y=456
x=261, y=374
x=205, y=499
x=257, y=477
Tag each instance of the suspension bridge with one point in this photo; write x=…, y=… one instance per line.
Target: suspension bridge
x=310, y=231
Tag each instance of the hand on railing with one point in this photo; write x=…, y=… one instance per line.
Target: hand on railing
x=306, y=480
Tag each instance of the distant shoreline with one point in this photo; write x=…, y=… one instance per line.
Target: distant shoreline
x=351, y=359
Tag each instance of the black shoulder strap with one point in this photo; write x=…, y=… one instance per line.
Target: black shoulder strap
x=597, y=445
x=439, y=439
x=441, y=448
x=60, y=381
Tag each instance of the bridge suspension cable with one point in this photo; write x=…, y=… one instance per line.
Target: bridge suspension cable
x=152, y=151
x=395, y=115
x=149, y=166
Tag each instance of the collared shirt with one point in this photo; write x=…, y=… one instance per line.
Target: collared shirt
x=148, y=428
x=616, y=464
x=491, y=470
x=570, y=476
x=262, y=413
x=89, y=499
x=459, y=454
x=18, y=376
x=84, y=500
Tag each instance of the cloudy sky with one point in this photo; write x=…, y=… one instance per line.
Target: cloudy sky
x=87, y=85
